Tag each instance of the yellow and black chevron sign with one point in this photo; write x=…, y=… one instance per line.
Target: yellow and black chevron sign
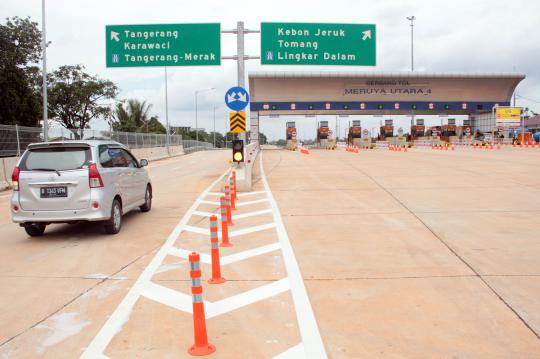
x=237, y=121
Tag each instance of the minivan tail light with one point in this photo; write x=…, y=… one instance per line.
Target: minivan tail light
x=15, y=178
x=94, y=177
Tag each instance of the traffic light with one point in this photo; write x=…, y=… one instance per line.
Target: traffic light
x=238, y=150
x=380, y=106
x=414, y=106
x=446, y=106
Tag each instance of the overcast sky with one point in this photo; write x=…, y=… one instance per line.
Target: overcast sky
x=450, y=36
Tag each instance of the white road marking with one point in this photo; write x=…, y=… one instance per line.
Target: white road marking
x=232, y=258
x=182, y=301
x=292, y=353
x=309, y=331
x=197, y=230
x=251, y=214
x=204, y=214
x=251, y=202
x=236, y=257
x=237, y=216
x=237, y=233
x=216, y=194
x=211, y=202
x=120, y=316
x=246, y=298
x=243, y=194
x=311, y=346
x=254, y=229
x=167, y=296
x=182, y=253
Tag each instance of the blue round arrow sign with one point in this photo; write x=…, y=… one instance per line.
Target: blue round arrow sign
x=237, y=98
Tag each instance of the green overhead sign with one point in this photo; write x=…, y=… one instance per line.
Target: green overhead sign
x=163, y=45
x=318, y=44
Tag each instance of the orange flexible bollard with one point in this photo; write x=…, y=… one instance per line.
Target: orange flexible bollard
x=231, y=190
x=234, y=179
x=214, y=241
x=228, y=199
x=201, y=346
x=224, y=226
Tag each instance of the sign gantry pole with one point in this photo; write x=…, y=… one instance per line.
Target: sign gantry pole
x=240, y=58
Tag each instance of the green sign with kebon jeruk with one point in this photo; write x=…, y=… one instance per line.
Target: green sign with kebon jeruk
x=163, y=45
x=318, y=44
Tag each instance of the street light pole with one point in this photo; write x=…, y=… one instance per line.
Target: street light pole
x=196, y=112
x=214, y=126
x=44, y=49
x=166, y=113
x=411, y=19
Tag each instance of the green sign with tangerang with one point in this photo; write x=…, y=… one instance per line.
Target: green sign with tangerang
x=317, y=44
x=163, y=45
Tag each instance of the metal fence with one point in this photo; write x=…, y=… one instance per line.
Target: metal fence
x=15, y=139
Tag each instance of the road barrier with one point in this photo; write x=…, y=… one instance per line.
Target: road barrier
x=224, y=225
x=214, y=242
x=201, y=346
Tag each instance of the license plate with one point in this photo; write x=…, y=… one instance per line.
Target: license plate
x=53, y=192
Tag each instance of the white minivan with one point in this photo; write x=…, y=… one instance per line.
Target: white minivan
x=72, y=181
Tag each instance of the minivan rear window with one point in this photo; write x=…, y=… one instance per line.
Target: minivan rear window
x=56, y=158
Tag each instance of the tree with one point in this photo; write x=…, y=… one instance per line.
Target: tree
x=75, y=98
x=20, y=88
x=155, y=126
x=122, y=120
x=133, y=116
x=262, y=138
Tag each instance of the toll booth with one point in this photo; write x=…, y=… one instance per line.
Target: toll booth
x=449, y=131
x=290, y=135
x=418, y=131
x=324, y=139
x=434, y=133
x=387, y=131
x=466, y=131
x=355, y=134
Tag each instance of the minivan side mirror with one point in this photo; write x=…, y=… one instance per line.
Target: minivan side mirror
x=143, y=163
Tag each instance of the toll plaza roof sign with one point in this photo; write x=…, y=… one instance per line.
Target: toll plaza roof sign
x=318, y=44
x=163, y=45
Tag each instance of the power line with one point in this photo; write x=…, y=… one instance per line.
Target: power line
x=528, y=99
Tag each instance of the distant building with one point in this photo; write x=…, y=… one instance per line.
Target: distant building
x=533, y=123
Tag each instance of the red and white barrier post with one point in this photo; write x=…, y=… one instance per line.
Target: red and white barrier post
x=201, y=346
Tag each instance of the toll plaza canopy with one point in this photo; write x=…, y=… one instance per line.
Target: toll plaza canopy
x=357, y=93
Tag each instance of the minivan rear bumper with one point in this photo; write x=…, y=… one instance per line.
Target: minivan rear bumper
x=87, y=214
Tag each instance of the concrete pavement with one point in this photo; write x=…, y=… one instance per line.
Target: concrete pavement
x=403, y=255
x=416, y=255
